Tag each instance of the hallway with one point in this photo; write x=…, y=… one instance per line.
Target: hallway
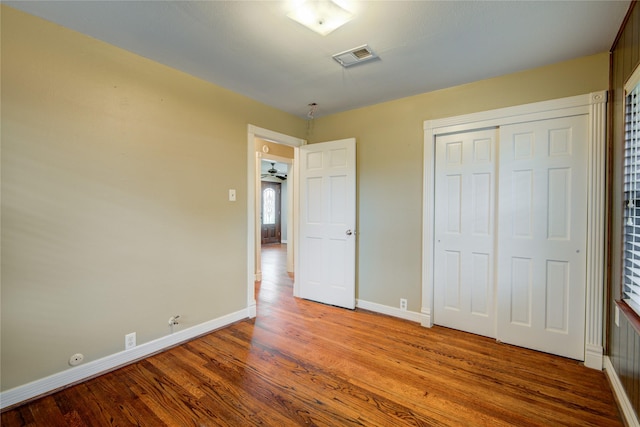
x=275, y=279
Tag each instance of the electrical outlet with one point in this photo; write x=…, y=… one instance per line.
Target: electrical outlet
x=130, y=341
x=403, y=304
x=76, y=359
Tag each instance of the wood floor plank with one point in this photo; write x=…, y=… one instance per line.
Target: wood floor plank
x=349, y=402
x=352, y=357
x=539, y=391
x=247, y=395
x=48, y=410
x=75, y=398
x=230, y=402
x=403, y=374
x=282, y=390
x=302, y=363
x=106, y=400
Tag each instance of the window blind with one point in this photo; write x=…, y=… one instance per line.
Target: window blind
x=631, y=274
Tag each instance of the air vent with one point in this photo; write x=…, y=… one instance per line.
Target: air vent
x=355, y=56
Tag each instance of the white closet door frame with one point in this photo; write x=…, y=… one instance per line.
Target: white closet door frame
x=593, y=105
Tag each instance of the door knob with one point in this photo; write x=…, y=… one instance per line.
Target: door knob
x=349, y=232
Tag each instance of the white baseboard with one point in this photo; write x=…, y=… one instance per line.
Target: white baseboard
x=628, y=413
x=427, y=321
x=593, y=356
x=391, y=311
x=252, y=310
x=97, y=367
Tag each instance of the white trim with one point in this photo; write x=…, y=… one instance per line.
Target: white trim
x=593, y=105
x=94, y=368
x=390, y=311
x=596, y=178
x=570, y=106
x=428, y=221
x=593, y=354
x=253, y=226
x=294, y=225
x=624, y=404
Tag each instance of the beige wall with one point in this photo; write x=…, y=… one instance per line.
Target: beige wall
x=389, y=160
x=114, y=196
x=115, y=172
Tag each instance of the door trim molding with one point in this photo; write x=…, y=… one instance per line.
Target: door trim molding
x=593, y=105
x=253, y=223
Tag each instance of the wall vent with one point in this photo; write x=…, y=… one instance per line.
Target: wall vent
x=355, y=56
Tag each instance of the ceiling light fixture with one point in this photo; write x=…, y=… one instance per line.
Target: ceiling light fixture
x=312, y=110
x=321, y=16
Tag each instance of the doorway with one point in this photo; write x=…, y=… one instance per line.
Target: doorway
x=274, y=169
x=260, y=144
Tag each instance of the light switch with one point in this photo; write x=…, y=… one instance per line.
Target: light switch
x=232, y=195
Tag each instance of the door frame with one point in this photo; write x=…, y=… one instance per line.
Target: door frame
x=253, y=219
x=593, y=105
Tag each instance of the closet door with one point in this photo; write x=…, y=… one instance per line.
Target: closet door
x=542, y=235
x=464, y=231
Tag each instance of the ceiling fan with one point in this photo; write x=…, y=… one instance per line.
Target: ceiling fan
x=275, y=173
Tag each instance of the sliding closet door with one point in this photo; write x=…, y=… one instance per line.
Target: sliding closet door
x=542, y=235
x=464, y=231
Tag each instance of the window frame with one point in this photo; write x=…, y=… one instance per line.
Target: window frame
x=631, y=133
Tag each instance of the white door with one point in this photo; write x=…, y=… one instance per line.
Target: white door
x=464, y=232
x=327, y=222
x=542, y=235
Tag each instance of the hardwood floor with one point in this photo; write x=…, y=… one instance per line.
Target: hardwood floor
x=302, y=363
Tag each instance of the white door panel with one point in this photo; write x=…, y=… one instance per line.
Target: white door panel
x=327, y=222
x=542, y=235
x=464, y=232
x=516, y=273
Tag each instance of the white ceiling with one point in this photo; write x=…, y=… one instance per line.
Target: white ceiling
x=252, y=48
